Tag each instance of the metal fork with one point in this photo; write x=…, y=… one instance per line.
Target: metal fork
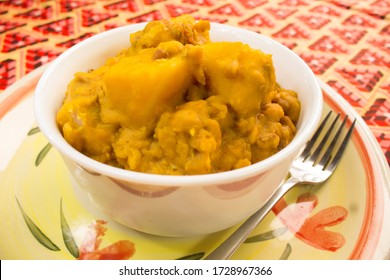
x=307, y=168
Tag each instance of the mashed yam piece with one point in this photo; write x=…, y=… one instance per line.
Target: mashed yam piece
x=176, y=103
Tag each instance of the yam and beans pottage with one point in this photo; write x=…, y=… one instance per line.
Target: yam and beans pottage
x=176, y=103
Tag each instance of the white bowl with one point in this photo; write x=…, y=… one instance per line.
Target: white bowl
x=176, y=205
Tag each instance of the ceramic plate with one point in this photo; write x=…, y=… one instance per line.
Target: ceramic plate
x=45, y=216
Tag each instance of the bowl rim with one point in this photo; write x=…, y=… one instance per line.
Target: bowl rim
x=230, y=176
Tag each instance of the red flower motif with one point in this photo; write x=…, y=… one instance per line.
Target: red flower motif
x=89, y=249
x=312, y=230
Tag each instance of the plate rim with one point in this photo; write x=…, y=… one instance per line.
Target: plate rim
x=25, y=86
x=377, y=163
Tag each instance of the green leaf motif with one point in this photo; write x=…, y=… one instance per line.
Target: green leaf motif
x=196, y=256
x=69, y=241
x=42, y=154
x=266, y=235
x=37, y=233
x=286, y=253
x=33, y=131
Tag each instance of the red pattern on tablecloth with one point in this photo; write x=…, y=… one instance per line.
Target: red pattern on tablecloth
x=345, y=42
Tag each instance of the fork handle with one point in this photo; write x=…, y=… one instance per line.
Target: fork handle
x=230, y=245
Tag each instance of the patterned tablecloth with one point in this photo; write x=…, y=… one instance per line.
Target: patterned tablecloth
x=346, y=42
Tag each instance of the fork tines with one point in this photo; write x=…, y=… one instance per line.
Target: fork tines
x=324, y=161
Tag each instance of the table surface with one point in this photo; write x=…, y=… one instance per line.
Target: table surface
x=346, y=43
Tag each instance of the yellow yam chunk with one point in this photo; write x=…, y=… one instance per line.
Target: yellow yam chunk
x=242, y=76
x=139, y=90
